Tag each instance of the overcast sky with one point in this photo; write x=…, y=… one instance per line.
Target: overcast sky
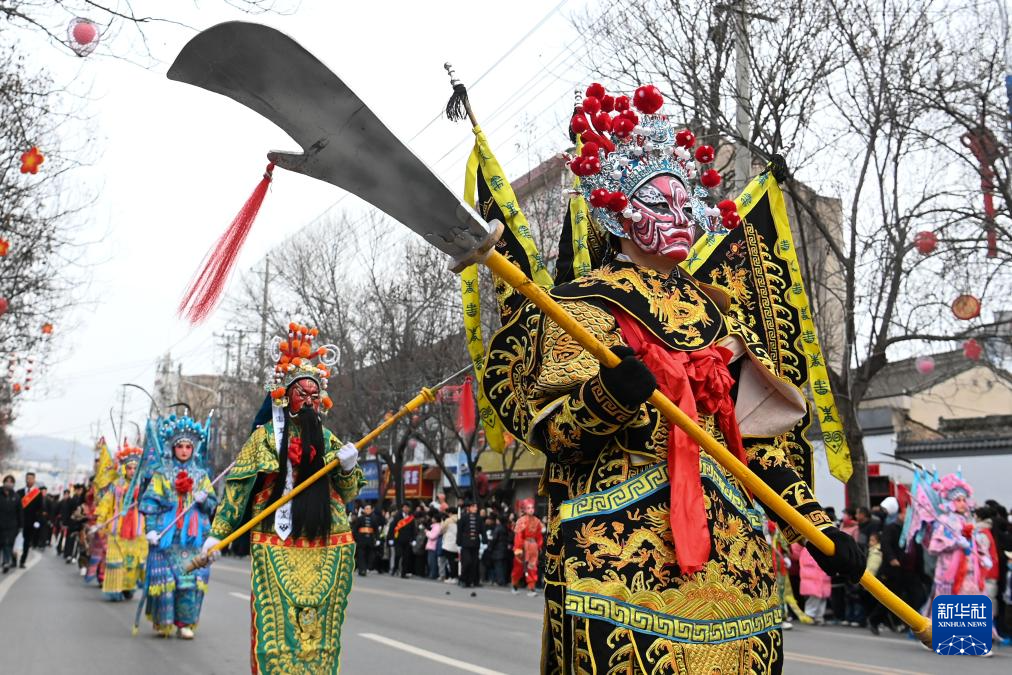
x=172, y=163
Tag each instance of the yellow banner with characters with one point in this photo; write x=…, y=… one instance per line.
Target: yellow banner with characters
x=766, y=237
x=487, y=189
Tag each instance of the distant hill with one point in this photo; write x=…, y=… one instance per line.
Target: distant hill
x=49, y=449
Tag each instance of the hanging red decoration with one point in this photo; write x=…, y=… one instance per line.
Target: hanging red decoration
x=16, y=388
x=47, y=328
x=925, y=242
x=925, y=365
x=466, y=408
x=31, y=160
x=3, y=305
x=207, y=286
x=82, y=36
x=5, y=246
x=972, y=349
x=966, y=307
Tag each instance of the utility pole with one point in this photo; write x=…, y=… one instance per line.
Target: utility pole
x=743, y=90
x=122, y=407
x=743, y=112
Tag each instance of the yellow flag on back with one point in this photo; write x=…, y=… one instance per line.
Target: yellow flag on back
x=757, y=264
x=105, y=473
x=486, y=188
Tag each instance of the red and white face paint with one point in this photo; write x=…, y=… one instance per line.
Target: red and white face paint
x=303, y=392
x=666, y=227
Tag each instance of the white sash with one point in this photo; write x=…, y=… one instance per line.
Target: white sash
x=283, y=516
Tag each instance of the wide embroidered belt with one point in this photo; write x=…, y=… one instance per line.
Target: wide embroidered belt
x=643, y=620
x=651, y=481
x=365, y=530
x=272, y=539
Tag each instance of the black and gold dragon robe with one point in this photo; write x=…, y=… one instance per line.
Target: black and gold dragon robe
x=616, y=600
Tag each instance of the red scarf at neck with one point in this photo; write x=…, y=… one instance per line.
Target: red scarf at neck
x=699, y=383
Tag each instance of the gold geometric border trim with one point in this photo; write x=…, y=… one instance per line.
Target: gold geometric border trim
x=593, y=606
x=618, y=497
x=708, y=468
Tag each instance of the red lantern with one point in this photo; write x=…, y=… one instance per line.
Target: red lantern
x=966, y=307
x=4, y=247
x=925, y=242
x=47, y=328
x=3, y=305
x=972, y=349
x=925, y=365
x=82, y=36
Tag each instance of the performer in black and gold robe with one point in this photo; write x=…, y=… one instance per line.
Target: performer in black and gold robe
x=656, y=559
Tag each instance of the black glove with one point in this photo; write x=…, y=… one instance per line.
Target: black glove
x=848, y=561
x=630, y=383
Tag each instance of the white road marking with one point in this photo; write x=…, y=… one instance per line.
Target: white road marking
x=16, y=573
x=241, y=596
x=432, y=656
x=847, y=665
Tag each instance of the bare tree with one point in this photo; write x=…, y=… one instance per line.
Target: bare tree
x=869, y=100
x=38, y=226
x=391, y=310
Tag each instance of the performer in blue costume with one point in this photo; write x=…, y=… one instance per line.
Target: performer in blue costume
x=175, y=596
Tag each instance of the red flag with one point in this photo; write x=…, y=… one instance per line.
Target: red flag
x=466, y=408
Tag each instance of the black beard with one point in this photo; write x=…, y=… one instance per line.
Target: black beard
x=310, y=509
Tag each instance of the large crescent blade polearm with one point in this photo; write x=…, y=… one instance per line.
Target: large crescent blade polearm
x=345, y=144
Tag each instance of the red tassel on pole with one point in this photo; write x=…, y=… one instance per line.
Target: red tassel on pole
x=209, y=282
x=466, y=408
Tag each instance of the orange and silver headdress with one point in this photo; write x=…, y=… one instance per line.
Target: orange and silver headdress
x=129, y=454
x=294, y=360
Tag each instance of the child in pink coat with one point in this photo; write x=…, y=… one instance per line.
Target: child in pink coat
x=815, y=585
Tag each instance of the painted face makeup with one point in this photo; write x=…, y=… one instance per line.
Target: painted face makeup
x=183, y=450
x=666, y=227
x=303, y=392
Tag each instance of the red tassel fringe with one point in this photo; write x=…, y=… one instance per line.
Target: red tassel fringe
x=466, y=408
x=206, y=288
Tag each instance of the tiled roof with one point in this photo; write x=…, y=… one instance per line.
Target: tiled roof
x=961, y=445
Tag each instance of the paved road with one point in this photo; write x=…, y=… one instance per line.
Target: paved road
x=51, y=624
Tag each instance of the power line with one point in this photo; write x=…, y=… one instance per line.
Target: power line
x=502, y=58
x=439, y=115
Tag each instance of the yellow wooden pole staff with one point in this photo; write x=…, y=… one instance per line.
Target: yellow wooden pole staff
x=515, y=277
x=426, y=395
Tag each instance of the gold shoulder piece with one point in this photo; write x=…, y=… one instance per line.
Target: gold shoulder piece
x=564, y=363
x=257, y=455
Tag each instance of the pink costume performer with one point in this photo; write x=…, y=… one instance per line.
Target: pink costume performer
x=961, y=561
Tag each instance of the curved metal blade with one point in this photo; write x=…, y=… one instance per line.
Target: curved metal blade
x=342, y=140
